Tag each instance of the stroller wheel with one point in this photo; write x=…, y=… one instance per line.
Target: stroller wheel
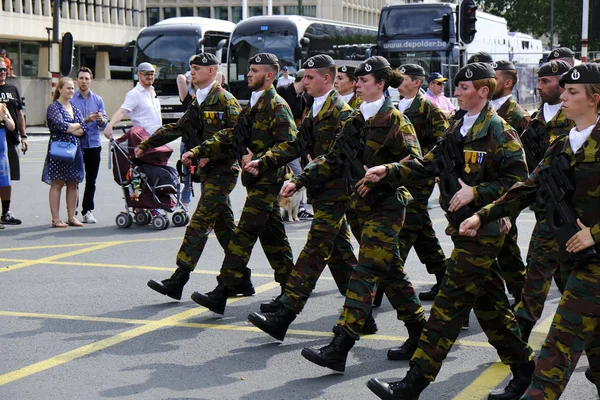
x=179, y=218
x=187, y=219
x=160, y=223
x=124, y=220
x=143, y=218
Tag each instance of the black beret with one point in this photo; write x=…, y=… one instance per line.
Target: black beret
x=473, y=72
x=480, y=56
x=264, y=59
x=583, y=73
x=554, y=68
x=412, y=70
x=371, y=65
x=319, y=61
x=347, y=69
x=204, y=59
x=503, y=65
x=560, y=53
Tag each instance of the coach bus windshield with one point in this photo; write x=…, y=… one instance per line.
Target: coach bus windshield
x=169, y=53
x=409, y=22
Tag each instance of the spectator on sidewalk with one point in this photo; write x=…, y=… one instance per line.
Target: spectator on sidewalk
x=6, y=123
x=7, y=61
x=435, y=92
x=285, y=78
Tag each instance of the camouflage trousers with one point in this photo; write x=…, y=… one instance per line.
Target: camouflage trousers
x=472, y=281
x=260, y=219
x=542, y=264
x=328, y=243
x=213, y=212
x=575, y=327
x=511, y=263
x=418, y=232
x=379, y=263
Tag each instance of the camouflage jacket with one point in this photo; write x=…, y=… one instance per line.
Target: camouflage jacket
x=514, y=114
x=494, y=161
x=586, y=179
x=388, y=137
x=220, y=110
x=272, y=123
x=323, y=126
x=355, y=101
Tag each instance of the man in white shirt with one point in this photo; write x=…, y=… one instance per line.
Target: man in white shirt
x=141, y=104
x=285, y=78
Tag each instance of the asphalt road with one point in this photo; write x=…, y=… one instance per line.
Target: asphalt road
x=78, y=322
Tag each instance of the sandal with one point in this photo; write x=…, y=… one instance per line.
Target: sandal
x=75, y=222
x=59, y=224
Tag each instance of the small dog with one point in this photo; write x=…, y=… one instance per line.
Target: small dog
x=291, y=205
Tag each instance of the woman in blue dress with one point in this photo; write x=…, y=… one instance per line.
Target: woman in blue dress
x=66, y=124
x=6, y=123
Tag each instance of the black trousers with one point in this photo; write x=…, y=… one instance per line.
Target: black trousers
x=91, y=162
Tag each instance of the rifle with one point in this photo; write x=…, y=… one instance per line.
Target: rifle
x=306, y=138
x=533, y=144
x=555, y=193
x=242, y=133
x=193, y=128
x=449, y=163
x=351, y=147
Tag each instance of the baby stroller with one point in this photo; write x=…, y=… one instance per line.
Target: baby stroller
x=150, y=187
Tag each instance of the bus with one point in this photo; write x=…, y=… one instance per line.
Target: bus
x=293, y=39
x=169, y=44
x=408, y=33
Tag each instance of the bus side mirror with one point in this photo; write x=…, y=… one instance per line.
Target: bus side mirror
x=304, y=41
x=371, y=51
x=127, y=55
x=219, y=51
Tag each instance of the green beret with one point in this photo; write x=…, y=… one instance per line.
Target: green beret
x=371, y=65
x=348, y=70
x=583, y=73
x=560, y=53
x=264, y=59
x=204, y=59
x=503, y=65
x=474, y=72
x=480, y=56
x=554, y=68
x=319, y=61
x=412, y=70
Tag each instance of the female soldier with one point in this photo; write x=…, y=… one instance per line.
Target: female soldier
x=376, y=220
x=576, y=323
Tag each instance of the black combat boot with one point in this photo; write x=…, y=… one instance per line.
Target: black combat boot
x=408, y=388
x=215, y=301
x=275, y=324
x=274, y=304
x=370, y=326
x=378, y=298
x=406, y=351
x=588, y=375
x=244, y=286
x=430, y=295
x=333, y=355
x=517, y=386
x=526, y=327
x=172, y=287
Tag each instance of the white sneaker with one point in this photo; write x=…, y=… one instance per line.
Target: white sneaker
x=88, y=218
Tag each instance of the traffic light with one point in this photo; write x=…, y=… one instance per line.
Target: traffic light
x=444, y=30
x=66, y=54
x=467, y=21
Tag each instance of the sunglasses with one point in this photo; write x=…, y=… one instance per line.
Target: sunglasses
x=439, y=83
x=3, y=69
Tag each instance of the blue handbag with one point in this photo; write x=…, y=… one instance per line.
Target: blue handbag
x=63, y=151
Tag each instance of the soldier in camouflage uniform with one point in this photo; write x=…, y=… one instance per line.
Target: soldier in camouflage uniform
x=510, y=260
x=576, y=324
x=547, y=123
x=494, y=161
x=430, y=124
x=345, y=84
x=387, y=135
x=270, y=122
x=329, y=236
x=213, y=109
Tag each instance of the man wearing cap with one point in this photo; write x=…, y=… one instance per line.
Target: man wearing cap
x=271, y=122
x=285, y=78
x=141, y=104
x=547, y=124
x=430, y=124
x=345, y=84
x=329, y=236
x=435, y=92
x=494, y=161
x=563, y=54
x=510, y=260
x=216, y=109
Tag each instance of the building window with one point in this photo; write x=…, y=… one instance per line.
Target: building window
x=221, y=13
x=186, y=12
x=307, y=11
x=152, y=15
x=236, y=14
x=204, y=12
x=276, y=10
x=257, y=10
x=169, y=12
